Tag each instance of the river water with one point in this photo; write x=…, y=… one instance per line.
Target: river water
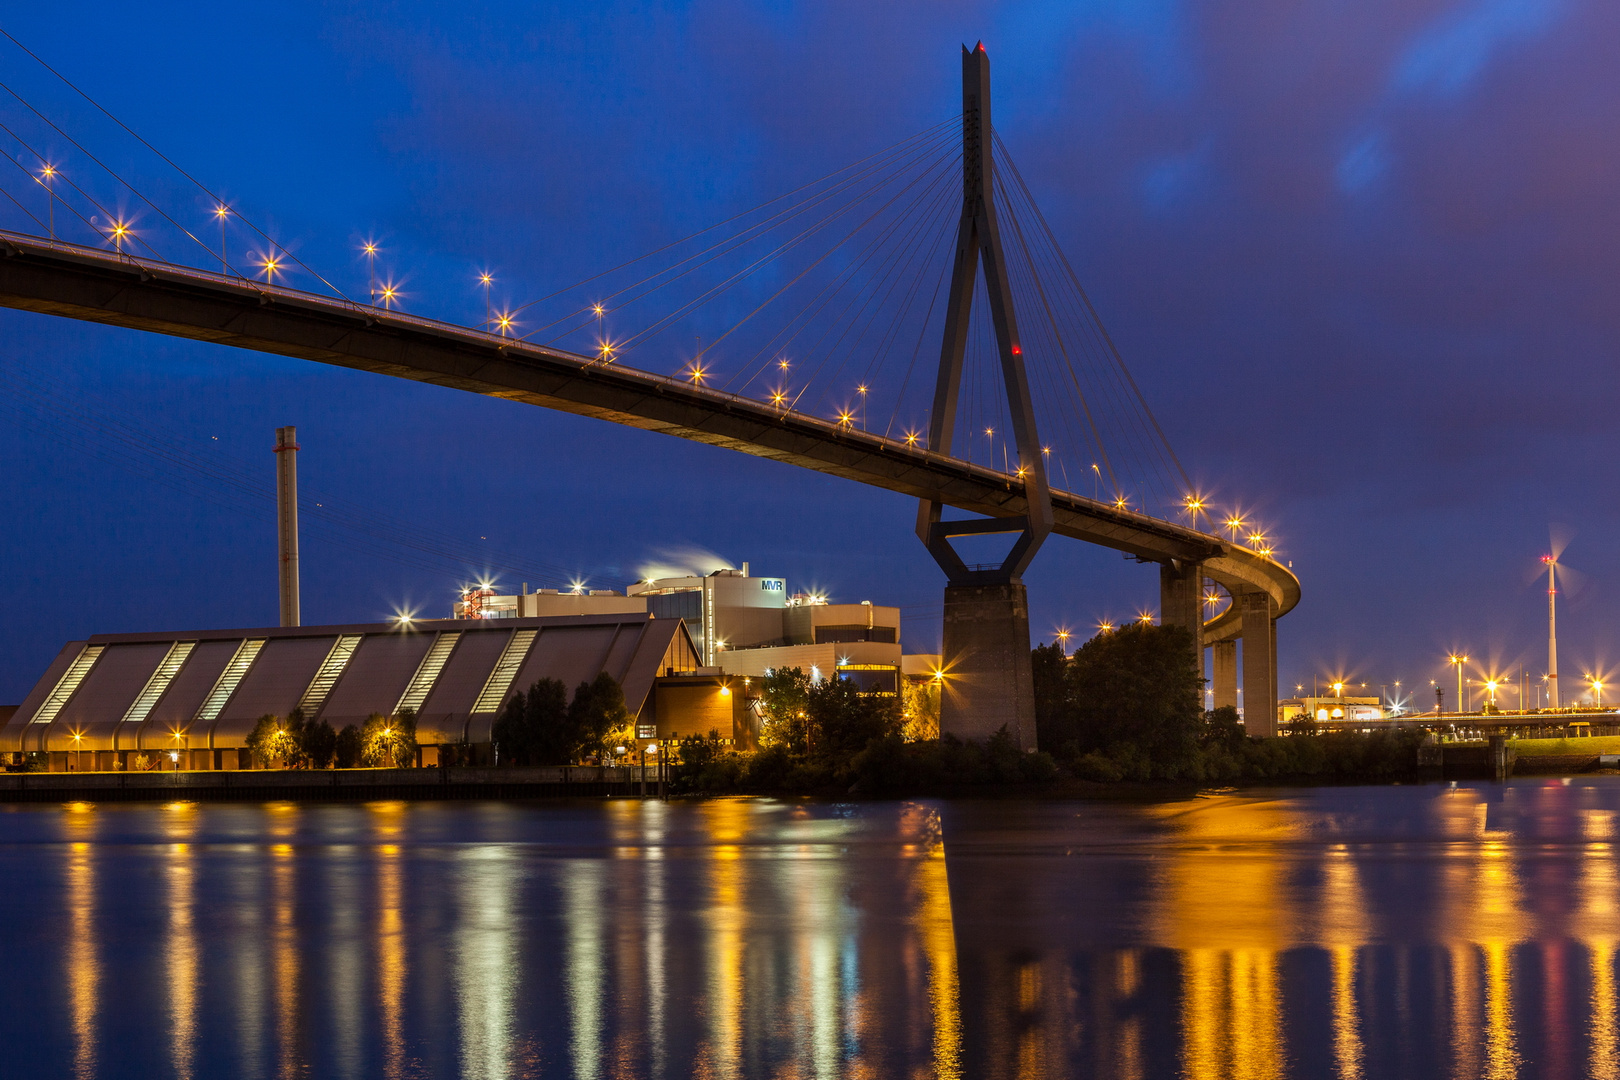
x=1425, y=931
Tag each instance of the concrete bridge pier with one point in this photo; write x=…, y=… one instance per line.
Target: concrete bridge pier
x=1181, y=586
x=1259, y=664
x=1223, y=669
x=988, y=683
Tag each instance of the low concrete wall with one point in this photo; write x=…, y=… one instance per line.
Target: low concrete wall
x=260, y=785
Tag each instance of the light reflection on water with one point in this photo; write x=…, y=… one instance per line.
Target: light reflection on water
x=1351, y=933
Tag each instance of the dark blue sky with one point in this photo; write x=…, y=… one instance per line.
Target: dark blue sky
x=1361, y=258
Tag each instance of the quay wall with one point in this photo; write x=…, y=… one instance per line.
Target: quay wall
x=272, y=785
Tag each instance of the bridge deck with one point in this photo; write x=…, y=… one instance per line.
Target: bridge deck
x=72, y=281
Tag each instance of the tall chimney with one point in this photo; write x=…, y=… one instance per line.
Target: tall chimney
x=287, y=521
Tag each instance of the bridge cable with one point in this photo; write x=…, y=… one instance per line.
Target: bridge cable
x=1086, y=299
x=735, y=241
x=163, y=157
x=735, y=217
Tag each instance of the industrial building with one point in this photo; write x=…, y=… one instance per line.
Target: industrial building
x=685, y=650
x=740, y=624
x=1324, y=709
x=115, y=701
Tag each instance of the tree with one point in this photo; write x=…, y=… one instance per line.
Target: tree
x=318, y=743
x=1053, y=673
x=348, y=747
x=531, y=729
x=843, y=720
x=784, y=695
x=273, y=739
x=919, y=709
x=597, y=715
x=389, y=742
x=1139, y=686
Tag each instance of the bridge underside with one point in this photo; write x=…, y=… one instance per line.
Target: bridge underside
x=118, y=290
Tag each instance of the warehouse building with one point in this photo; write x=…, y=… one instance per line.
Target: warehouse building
x=114, y=700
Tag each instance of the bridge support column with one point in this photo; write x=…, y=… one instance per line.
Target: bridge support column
x=1224, y=672
x=1259, y=665
x=988, y=683
x=1181, y=603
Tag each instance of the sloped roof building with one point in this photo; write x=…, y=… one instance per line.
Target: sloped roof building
x=203, y=691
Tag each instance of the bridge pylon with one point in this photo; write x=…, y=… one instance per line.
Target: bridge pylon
x=988, y=683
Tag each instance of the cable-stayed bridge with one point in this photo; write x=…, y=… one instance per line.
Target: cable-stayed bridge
x=847, y=261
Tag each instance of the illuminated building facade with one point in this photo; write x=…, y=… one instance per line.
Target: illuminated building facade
x=191, y=699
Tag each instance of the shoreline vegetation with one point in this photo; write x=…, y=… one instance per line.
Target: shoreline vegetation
x=1125, y=709
x=1121, y=717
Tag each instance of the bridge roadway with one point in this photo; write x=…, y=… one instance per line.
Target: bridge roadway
x=94, y=285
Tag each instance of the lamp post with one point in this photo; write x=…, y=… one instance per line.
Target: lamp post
x=222, y=212
x=1459, y=661
x=46, y=175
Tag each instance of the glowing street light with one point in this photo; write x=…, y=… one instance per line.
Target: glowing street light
x=1233, y=524
x=503, y=323
x=1063, y=640
x=1105, y=627
x=222, y=213
x=845, y=419
x=911, y=438
x=390, y=294
x=782, y=363
x=271, y=266
x=1145, y=618
x=370, y=249
x=47, y=175
x=697, y=374
x=1458, y=661
x=119, y=231
x=486, y=280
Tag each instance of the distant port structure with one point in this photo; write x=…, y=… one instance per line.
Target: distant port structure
x=1028, y=385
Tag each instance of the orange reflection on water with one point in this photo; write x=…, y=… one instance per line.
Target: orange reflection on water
x=1343, y=911
x=931, y=920
x=1223, y=904
x=391, y=959
x=83, y=957
x=284, y=952
x=181, y=952
x=727, y=822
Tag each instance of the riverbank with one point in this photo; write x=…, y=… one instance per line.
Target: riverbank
x=342, y=785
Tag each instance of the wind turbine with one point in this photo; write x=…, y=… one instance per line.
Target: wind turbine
x=1554, y=569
